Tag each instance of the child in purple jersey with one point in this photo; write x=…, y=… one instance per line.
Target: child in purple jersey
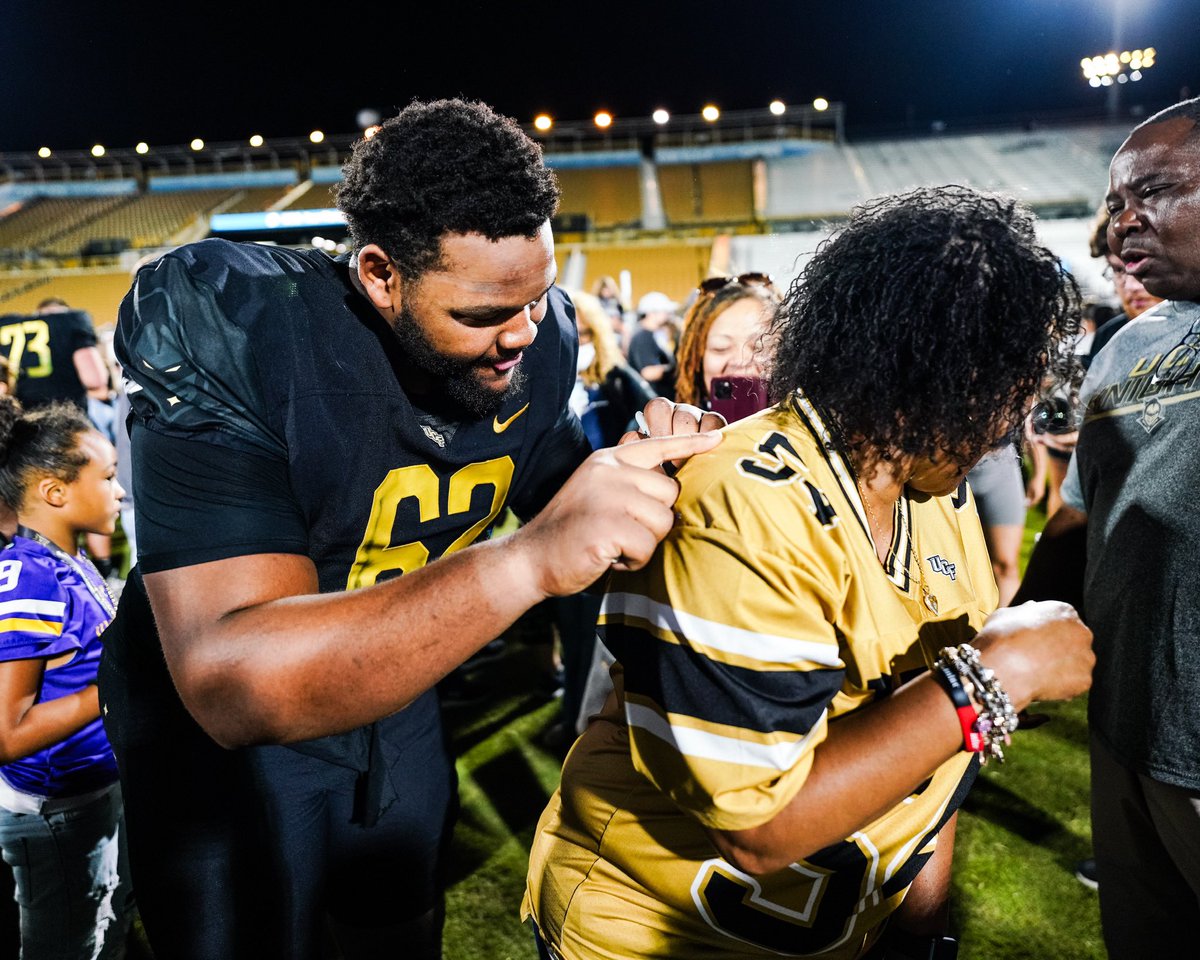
x=60, y=801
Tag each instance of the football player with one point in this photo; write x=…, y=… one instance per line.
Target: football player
x=317, y=444
x=779, y=771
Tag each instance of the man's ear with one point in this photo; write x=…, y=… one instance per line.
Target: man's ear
x=380, y=279
x=52, y=490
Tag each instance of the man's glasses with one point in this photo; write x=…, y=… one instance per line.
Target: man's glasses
x=713, y=284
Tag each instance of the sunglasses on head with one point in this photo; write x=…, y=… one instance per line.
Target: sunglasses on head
x=713, y=284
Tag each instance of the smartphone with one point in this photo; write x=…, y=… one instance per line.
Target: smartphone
x=737, y=397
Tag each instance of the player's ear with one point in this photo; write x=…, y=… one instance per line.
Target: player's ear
x=379, y=277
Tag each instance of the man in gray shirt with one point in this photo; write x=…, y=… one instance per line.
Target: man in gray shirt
x=1128, y=542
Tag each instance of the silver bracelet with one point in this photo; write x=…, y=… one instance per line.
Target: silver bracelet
x=997, y=716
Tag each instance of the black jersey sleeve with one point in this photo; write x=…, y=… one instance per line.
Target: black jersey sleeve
x=197, y=502
x=189, y=361
x=81, y=331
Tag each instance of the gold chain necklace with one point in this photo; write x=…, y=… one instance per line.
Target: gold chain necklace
x=927, y=596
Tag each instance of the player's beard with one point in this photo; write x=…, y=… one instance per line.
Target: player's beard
x=458, y=378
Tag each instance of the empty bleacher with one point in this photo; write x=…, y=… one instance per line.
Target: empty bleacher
x=672, y=268
x=99, y=293
x=149, y=220
x=720, y=192
x=1047, y=169
x=41, y=220
x=318, y=196
x=609, y=196
x=253, y=199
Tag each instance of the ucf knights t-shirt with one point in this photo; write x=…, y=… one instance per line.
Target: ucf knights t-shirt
x=1135, y=474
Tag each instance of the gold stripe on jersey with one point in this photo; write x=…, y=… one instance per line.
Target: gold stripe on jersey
x=21, y=625
x=764, y=617
x=719, y=641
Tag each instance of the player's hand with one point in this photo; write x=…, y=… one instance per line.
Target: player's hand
x=1062, y=442
x=610, y=515
x=1039, y=650
x=662, y=418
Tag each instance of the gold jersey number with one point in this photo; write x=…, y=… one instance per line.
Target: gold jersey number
x=376, y=554
x=32, y=336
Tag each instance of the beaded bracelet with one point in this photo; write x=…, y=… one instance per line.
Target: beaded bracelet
x=997, y=717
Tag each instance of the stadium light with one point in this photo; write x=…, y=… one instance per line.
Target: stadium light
x=821, y=104
x=317, y=136
x=143, y=147
x=98, y=150
x=660, y=116
x=197, y=144
x=710, y=113
x=543, y=122
x=256, y=141
x=44, y=152
x=1102, y=69
x=603, y=119
x=778, y=107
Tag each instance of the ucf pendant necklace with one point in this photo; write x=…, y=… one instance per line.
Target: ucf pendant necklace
x=927, y=596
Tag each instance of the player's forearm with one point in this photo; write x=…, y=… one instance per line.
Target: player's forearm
x=47, y=723
x=1056, y=567
x=869, y=762
x=305, y=666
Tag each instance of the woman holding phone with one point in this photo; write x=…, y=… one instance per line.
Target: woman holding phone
x=721, y=353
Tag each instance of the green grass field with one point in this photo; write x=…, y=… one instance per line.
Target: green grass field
x=1020, y=834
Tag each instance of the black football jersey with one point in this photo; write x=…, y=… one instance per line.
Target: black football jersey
x=268, y=415
x=270, y=357
x=41, y=354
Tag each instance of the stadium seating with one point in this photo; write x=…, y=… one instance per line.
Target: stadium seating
x=707, y=193
x=610, y=197
x=318, y=196
x=42, y=220
x=149, y=220
x=99, y=293
x=672, y=268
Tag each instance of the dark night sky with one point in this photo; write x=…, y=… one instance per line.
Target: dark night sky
x=74, y=73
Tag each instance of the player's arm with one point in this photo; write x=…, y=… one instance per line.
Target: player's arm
x=874, y=758
x=92, y=373
x=1056, y=566
x=27, y=726
x=259, y=656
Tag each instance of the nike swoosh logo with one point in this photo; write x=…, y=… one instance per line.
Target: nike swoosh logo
x=501, y=425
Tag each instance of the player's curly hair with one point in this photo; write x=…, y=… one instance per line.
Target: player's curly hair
x=448, y=166
x=926, y=324
x=36, y=444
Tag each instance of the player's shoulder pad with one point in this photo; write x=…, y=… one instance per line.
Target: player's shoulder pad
x=185, y=341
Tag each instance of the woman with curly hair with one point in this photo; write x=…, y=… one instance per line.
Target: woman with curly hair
x=723, y=335
x=810, y=669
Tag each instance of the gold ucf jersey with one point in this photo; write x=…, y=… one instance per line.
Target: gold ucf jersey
x=764, y=617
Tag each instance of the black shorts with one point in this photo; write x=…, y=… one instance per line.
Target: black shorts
x=243, y=853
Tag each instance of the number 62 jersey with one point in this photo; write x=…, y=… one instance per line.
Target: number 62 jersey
x=763, y=619
x=269, y=416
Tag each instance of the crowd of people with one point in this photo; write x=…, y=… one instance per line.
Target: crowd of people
x=811, y=627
